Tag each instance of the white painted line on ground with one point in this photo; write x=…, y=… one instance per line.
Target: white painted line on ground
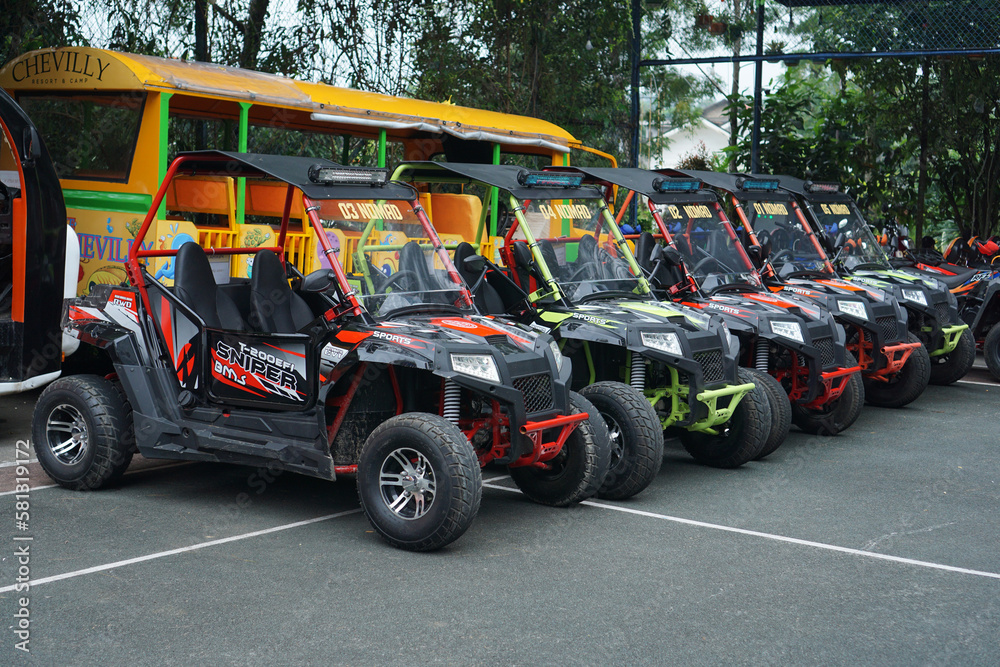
x=30, y=489
x=172, y=552
x=984, y=384
x=130, y=472
x=495, y=479
x=19, y=462
x=780, y=538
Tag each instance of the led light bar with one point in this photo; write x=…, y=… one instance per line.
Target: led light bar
x=675, y=185
x=348, y=176
x=544, y=179
x=756, y=185
x=821, y=187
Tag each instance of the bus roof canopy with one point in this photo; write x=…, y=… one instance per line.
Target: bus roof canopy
x=65, y=69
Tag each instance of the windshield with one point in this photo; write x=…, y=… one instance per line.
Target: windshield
x=708, y=245
x=851, y=234
x=387, y=255
x=578, y=244
x=792, y=248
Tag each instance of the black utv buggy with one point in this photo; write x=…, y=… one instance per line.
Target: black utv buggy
x=569, y=271
x=404, y=386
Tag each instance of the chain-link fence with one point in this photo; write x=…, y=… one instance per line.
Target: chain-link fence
x=717, y=30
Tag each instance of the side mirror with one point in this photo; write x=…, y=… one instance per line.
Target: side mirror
x=840, y=241
x=318, y=281
x=474, y=263
x=32, y=147
x=672, y=256
x=756, y=255
x=827, y=243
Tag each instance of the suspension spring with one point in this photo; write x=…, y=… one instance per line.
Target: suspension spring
x=452, y=398
x=638, y=376
x=762, y=350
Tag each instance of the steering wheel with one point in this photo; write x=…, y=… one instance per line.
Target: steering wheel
x=395, y=278
x=784, y=252
x=704, y=262
x=4, y=199
x=579, y=270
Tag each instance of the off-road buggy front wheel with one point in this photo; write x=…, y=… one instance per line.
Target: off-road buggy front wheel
x=835, y=416
x=739, y=440
x=781, y=411
x=82, y=432
x=419, y=481
x=578, y=471
x=991, y=350
x=905, y=386
x=952, y=367
x=635, y=434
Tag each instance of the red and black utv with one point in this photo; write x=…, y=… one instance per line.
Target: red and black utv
x=696, y=258
x=401, y=383
x=895, y=366
x=36, y=271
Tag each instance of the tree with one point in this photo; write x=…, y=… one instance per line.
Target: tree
x=34, y=24
x=531, y=58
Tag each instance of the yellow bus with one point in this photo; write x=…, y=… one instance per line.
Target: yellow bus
x=113, y=121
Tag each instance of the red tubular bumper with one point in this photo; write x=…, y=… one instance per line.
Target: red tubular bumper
x=546, y=451
x=834, y=383
x=895, y=358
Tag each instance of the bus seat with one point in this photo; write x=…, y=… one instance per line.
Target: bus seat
x=274, y=307
x=203, y=194
x=268, y=199
x=195, y=287
x=457, y=214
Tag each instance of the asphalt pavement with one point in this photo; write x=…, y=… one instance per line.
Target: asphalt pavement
x=878, y=546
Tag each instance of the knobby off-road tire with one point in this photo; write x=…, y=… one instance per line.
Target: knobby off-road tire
x=837, y=415
x=82, y=432
x=781, y=411
x=742, y=438
x=905, y=386
x=578, y=471
x=952, y=367
x=991, y=350
x=419, y=481
x=635, y=434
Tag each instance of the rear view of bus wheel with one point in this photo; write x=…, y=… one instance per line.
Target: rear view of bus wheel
x=578, y=470
x=419, y=481
x=82, y=432
x=739, y=440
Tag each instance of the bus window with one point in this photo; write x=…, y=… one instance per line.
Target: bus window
x=216, y=133
x=89, y=136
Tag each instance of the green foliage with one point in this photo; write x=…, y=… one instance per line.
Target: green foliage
x=860, y=125
x=34, y=24
x=530, y=58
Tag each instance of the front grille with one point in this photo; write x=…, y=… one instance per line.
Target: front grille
x=712, y=366
x=825, y=346
x=943, y=314
x=888, y=327
x=537, y=391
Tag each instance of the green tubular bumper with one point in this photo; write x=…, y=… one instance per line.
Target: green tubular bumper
x=951, y=336
x=677, y=394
